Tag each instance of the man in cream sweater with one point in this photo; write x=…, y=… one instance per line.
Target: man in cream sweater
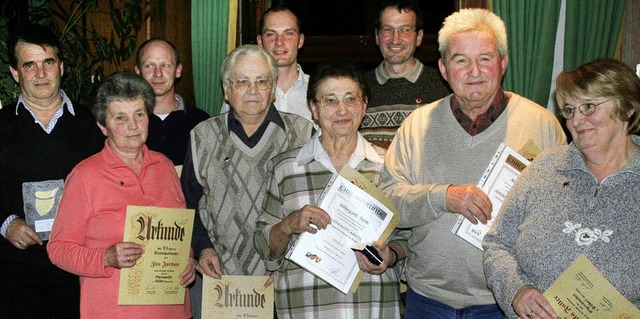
x=438, y=156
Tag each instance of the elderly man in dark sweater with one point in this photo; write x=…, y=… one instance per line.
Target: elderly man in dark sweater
x=42, y=137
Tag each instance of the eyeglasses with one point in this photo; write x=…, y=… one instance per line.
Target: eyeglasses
x=244, y=84
x=585, y=109
x=402, y=31
x=332, y=101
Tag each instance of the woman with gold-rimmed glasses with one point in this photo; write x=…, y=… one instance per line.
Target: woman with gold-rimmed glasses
x=582, y=198
x=338, y=96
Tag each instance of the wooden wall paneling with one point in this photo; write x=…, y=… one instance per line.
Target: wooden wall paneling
x=462, y=4
x=171, y=20
x=362, y=47
x=251, y=12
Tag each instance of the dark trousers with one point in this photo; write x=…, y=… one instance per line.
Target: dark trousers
x=32, y=287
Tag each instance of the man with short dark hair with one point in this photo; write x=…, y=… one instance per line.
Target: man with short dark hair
x=158, y=62
x=281, y=35
x=42, y=137
x=401, y=82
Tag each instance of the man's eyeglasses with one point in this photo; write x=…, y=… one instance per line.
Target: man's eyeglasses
x=244, y=84
x=585, y=109
x=402, y=31
x=332, y=101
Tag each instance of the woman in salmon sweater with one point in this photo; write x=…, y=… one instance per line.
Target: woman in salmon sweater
x=86, y=238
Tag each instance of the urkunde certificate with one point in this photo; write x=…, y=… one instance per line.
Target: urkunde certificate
x=165, y=234
x=360, y=213
x=236, y=297
x=582, y=292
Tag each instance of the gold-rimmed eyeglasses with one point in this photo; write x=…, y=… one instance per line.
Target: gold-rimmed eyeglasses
x=244, y=84
x=585, y=109
x=331, y=101
x=402, y=31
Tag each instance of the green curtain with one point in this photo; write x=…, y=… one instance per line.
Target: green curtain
x=531, y=31
x=592, y=30
x=209, y=22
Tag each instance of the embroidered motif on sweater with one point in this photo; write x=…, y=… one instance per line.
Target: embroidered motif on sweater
x=586, y=236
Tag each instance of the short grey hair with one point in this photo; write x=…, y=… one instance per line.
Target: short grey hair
x=472, y=20
x=122, y=86
x=251, y=50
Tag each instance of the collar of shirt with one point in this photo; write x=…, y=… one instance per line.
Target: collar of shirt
x=236, y=127
x=180, y=107
x=113, y=161
x=574, y=160
x=303, y=79
x=412, y=76
x=301, y=82
x=180, y=100
x=65, y=101
x=313, y=150
x=484, y=120
x=295, y=99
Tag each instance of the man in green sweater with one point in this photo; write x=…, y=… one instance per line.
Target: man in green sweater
x=440, y=153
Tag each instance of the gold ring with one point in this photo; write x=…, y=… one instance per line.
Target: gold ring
x=128, y=258
x=530, y=315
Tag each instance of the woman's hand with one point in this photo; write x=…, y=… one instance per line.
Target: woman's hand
x=189, y=273
x=530, y=303
x=209, y=263
x=305, y=219
x=388, y=259
x=122, y=255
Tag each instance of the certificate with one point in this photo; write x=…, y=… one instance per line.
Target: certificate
x=165, y=234
x=236, y=297
x=360, y=213
x=505, y=166
x=582, y=292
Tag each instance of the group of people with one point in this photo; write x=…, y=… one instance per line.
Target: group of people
x=254, y=173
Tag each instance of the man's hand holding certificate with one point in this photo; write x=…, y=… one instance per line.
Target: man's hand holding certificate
x=505, y=166
x=359, y=214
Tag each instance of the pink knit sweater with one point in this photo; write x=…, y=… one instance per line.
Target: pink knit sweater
x=91, y=218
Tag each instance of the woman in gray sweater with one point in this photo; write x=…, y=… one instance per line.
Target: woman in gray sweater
x=577, y=199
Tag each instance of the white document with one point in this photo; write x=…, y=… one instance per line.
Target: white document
x=505, y=166
x=357, y=216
